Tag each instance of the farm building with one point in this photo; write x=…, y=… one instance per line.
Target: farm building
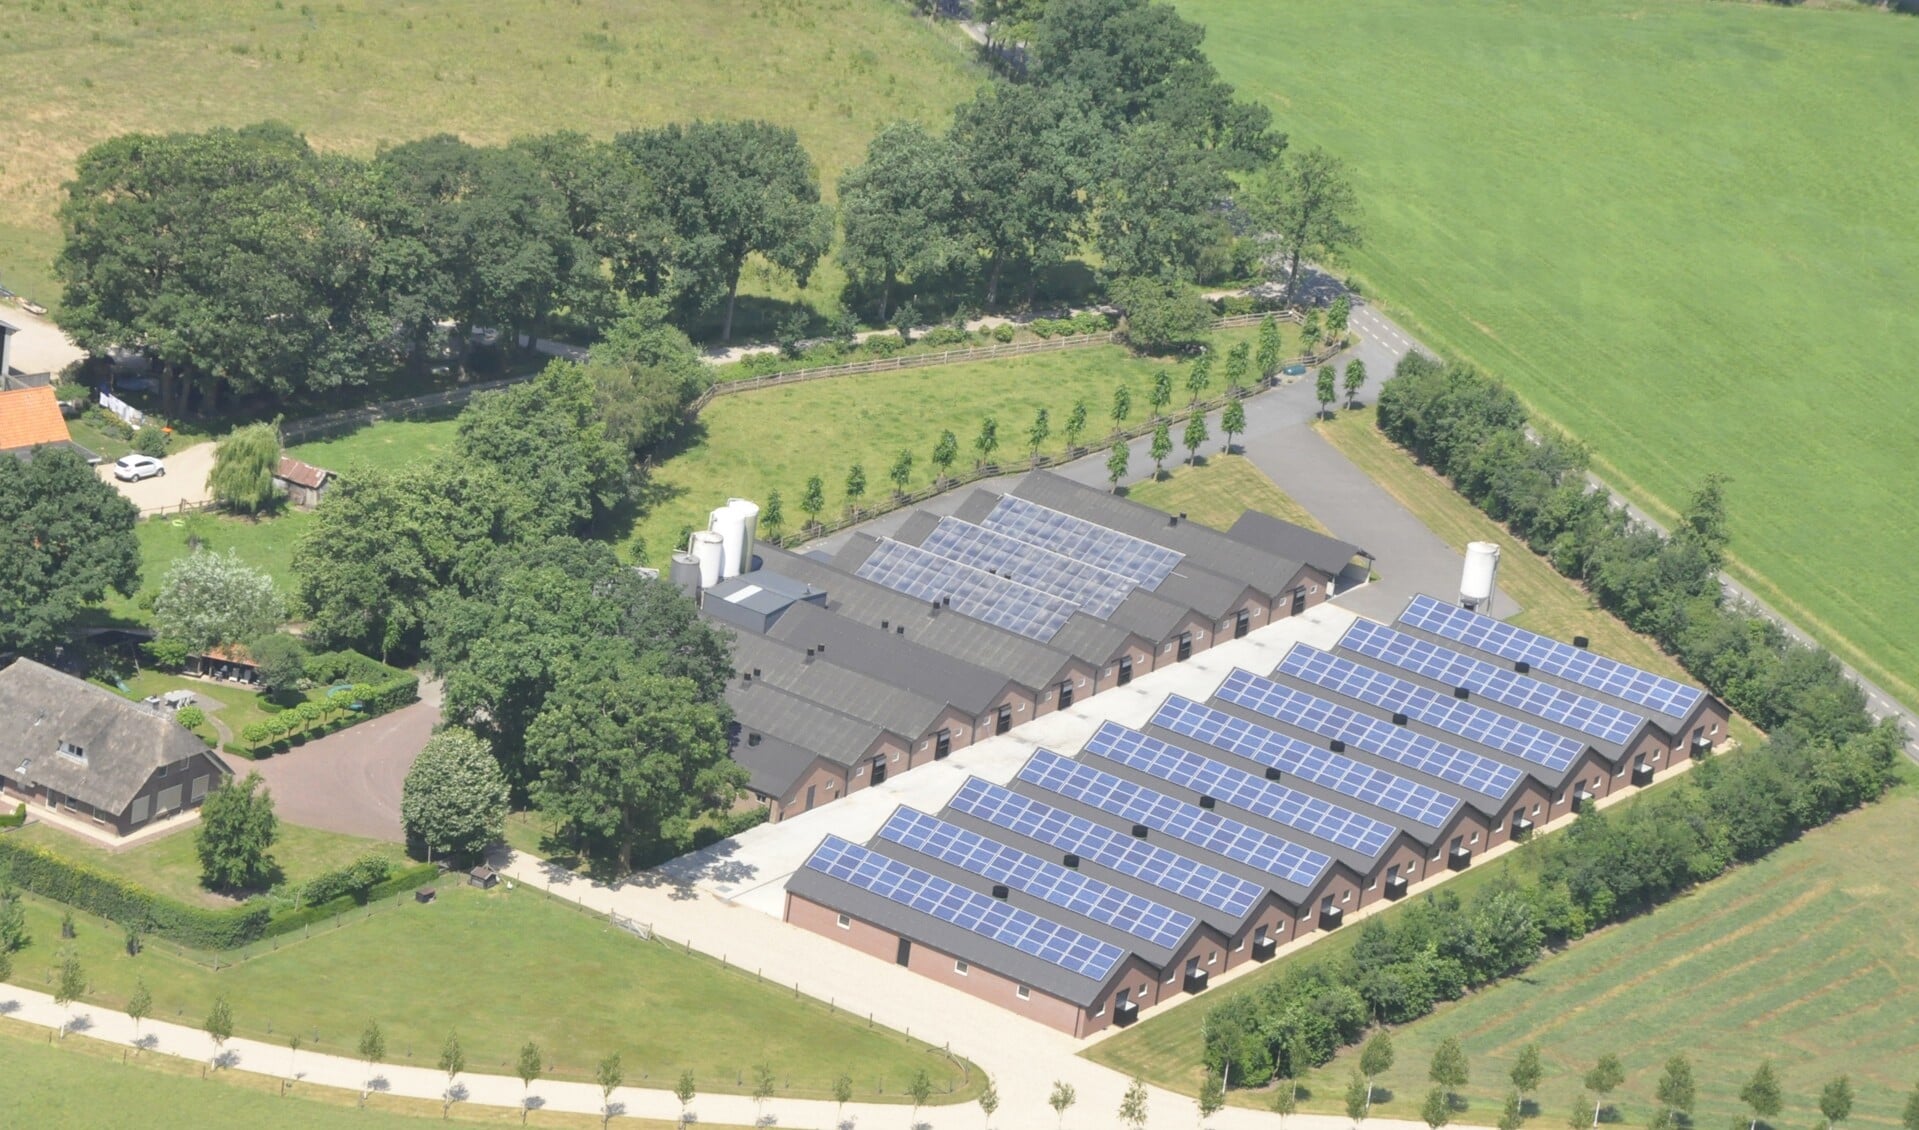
x=81, y=750
x=897, y=651
x=30, y=419
x=1160, y=855
x=302, y=483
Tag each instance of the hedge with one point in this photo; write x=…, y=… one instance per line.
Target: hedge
x=49, y=876
x=37, y=870
x=15, y=818
x=352, y=881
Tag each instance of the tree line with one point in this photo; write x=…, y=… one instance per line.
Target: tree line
x=248, y=266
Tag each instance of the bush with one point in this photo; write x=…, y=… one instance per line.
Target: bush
x=15, y=818
x=946, y=335
x=151, y=440
x=406, y=879
x=1004, y=332
x=1161, y=317
x=167, y=655
x=1091, y=322
x=352, y=881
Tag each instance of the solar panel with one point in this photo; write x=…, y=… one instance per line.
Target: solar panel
x=973, y=592
x=1240, y=789
x=990, y=918
x=1095, y=590
x=1168, y=870
x=1061, y=886
x=1574, y=664
x=1540, y=699
x=1396, y=743
x=1455, y=716
x=1322, y=767
x=1135, y=558
x=1187, y=822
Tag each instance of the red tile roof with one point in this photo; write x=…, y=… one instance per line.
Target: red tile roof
x=302, y=474
x=30, y=417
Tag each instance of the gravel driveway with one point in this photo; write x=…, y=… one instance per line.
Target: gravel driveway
x=185, y=482
x=349, y=782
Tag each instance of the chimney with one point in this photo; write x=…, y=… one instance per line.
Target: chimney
x=900, y=631
x=886, y=625
x=946, y=602
x=1172, y=519
x=822, y=650
x=809, y=655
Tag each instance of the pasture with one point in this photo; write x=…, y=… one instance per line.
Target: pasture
x=356, y=74
x=501, y=968
x=1684, y=231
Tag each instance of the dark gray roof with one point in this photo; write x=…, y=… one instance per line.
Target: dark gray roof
x=924, y=929
x=890, y=656
x=1028, y=662
x=885, y=704
x=806, y=726
x=123, y=742
x=763, y=591
x=1285, y=539
x=1204, y=547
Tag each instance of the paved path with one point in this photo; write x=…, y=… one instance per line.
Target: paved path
x=349, y=782
x=40, y=346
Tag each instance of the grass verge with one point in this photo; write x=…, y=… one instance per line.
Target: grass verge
x=1217, y=491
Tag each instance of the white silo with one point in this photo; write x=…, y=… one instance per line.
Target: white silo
x=710, y=548
x=1477, y=579
x=749, y=512
x=730, y=524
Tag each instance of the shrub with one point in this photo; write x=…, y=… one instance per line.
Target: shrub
x=1042, y=328
x=1091, y=322
x=352, y=881
x=192, y=717
x=151, y=440
x=106, y=896
x=167, y=655
x=946, y=335
x=1003, y=333
x=15, y=818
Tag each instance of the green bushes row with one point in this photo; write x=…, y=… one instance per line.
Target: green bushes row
x=328, y=667
x=1606, y=867
x=1087, y=322
x=51, y=877
x=354, y=880
x=117, y=900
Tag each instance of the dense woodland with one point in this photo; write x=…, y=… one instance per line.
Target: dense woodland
x=255, y=271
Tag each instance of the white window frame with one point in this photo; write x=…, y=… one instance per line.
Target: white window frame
x=1022, y=992
x=961, y=968
x=845, y=922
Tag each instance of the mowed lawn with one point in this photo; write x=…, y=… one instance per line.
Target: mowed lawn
x=1685, y=231
x=84, y=1082
x=1218, y=491
x=1804, y=958
x=385, y=445
x=751, y=444
x=356, y=74
x=264, y=543
x=501, y=968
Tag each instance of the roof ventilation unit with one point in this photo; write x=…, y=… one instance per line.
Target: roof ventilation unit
x=999, y=890
x=752, y=739
x=1460, y=692
x=1272, y=772
x=1336, y=746
x=1399, y=719
x=1071, y=861
x=1139, y=831
x=1207, y=802
x=1581, y=641
x=1521, y=666
x=900, y=630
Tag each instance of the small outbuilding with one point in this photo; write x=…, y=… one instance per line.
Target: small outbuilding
x=303, y=483
x=483, y=877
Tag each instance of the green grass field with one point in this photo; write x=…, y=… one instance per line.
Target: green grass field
x=501, y=968
x=170, y=867
x=354, y=74
x=83, y=1082
x=389, y=444
x=1218, y=491
x=1683, y=230
x=264, y=543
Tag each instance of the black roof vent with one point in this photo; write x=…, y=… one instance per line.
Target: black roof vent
x=1399, y=719
x=936, y=607
x=900, y=630
x=946, y=602
x=1071, y=860
x=1581, y=641
x=809, y=655
x=1336, y=746
x=886, y=625
x=1460, y=692
x=1272, y=772
x=999, y=890
x=822, y=649
x=1139, y=831
x=756, y=672
x=1207, y=802
x=752, y=739
x=746, y=676
x=1521, y=666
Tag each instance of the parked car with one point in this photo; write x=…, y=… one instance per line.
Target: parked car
x=133, y=468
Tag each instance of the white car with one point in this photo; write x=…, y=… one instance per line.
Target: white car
x=133, y=468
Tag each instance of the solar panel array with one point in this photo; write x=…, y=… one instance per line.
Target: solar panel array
x=1240, y=789
x=1540, y=699
x=1061, y=886
x=1594, y=672
x=1555, y=752
x=974, y=592
x=1168, y=870
x=1142, y=561
x=1095, y=590
x=1322, y=767
x=1469, y=770
x=969, y=910
x=1187, y=822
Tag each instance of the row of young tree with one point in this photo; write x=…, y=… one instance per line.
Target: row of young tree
x=246, y=264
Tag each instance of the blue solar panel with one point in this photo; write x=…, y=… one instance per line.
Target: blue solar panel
x=1455, y=716
x=1187, y=822
x=1540, y=699
x=1240, y=789
x=973, y=592
x=1063, y=887
x=1140, y=560
x=1096, y=591
x=1574, y=664
x=969, y=910
x=1322, y=767
x=1169, y=871
x=1396, y=743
